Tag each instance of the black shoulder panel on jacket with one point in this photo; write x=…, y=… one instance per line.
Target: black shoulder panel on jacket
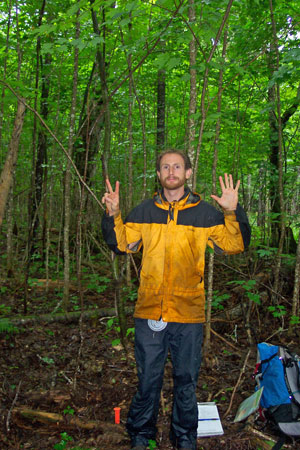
x=109, y=235
x=245, y=228
x=147, y=212
x=203, y=215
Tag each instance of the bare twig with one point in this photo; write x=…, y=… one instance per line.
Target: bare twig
x=225, y=340
x=134, y=265
x=237, y=383
x=280, y=330
x=77, y=370
x=12, y=407
x=61, y=373
x=260, y=436
x=103, y=248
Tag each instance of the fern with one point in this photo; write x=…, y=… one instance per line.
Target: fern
x=7, y=327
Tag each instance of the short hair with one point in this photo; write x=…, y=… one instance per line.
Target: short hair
x=184, y=156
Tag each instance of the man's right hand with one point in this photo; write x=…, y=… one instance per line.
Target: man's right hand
x=111, y=199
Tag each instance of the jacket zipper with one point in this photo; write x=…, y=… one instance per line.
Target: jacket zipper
x=171, y=211
x=171, y=217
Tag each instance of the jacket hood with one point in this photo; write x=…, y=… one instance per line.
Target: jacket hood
x=188, y=200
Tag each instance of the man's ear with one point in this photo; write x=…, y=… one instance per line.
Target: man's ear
x=188, y=173
x=158, y=174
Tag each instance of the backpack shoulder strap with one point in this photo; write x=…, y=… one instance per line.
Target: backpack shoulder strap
x=280, y=442
x=291, y=372
x=265, y=361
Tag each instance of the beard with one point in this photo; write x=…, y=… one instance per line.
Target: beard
x=172, y=183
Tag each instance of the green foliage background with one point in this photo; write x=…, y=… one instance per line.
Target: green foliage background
x=157, y=38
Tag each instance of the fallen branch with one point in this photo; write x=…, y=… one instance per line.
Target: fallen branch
x=262, y=440
x=56, y=396
x=258, y=442
x=64, y=421
x=44, y=283
x=68, y=317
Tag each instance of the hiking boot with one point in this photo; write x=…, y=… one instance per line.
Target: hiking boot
x=139, y=447
x=184, y=448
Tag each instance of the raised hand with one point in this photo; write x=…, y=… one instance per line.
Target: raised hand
x=229, y=199
x=111, y=198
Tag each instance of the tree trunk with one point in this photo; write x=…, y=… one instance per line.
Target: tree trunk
x=261, y=199
x=280, y=163
x=5, y=68
x=277, y=125
x=214, y=189
x=193, y=89
x=274, y=152
x=31, y=197
x=119, y=301
x=68, y=176
x=142, y=118
x=32, y=206
x=104, y=90
x=9, y=233
x=130, y=139
x=295, y=306
x=10, y=209
x=203, y=93
x=248, y=193
x=130, y=175
x=161, y=111
x=40, y=179
x=7, y=173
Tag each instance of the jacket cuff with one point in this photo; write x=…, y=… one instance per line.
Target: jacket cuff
x=229, y=213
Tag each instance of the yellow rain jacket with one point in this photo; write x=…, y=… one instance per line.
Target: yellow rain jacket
x=173, y=238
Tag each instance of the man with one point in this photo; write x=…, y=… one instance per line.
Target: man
x=174, y=229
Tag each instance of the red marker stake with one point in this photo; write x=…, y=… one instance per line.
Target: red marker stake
x=117, y=414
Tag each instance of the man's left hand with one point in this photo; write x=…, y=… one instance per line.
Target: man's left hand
x=229, y=199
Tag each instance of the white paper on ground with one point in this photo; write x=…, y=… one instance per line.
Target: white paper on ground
x=209, y=423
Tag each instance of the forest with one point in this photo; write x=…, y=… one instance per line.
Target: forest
x=92, y=89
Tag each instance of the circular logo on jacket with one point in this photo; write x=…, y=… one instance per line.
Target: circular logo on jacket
x=157, y=325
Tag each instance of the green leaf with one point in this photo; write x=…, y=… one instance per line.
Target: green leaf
x=254, y=298
x=78, y=43
x=132, y=5
x=47, y=48
x=173, y=62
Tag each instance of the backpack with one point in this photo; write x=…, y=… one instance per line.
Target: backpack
x=278, y=372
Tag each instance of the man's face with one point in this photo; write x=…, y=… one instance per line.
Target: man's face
x=172, y=174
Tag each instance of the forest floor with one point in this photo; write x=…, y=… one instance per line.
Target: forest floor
x=75, y=376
